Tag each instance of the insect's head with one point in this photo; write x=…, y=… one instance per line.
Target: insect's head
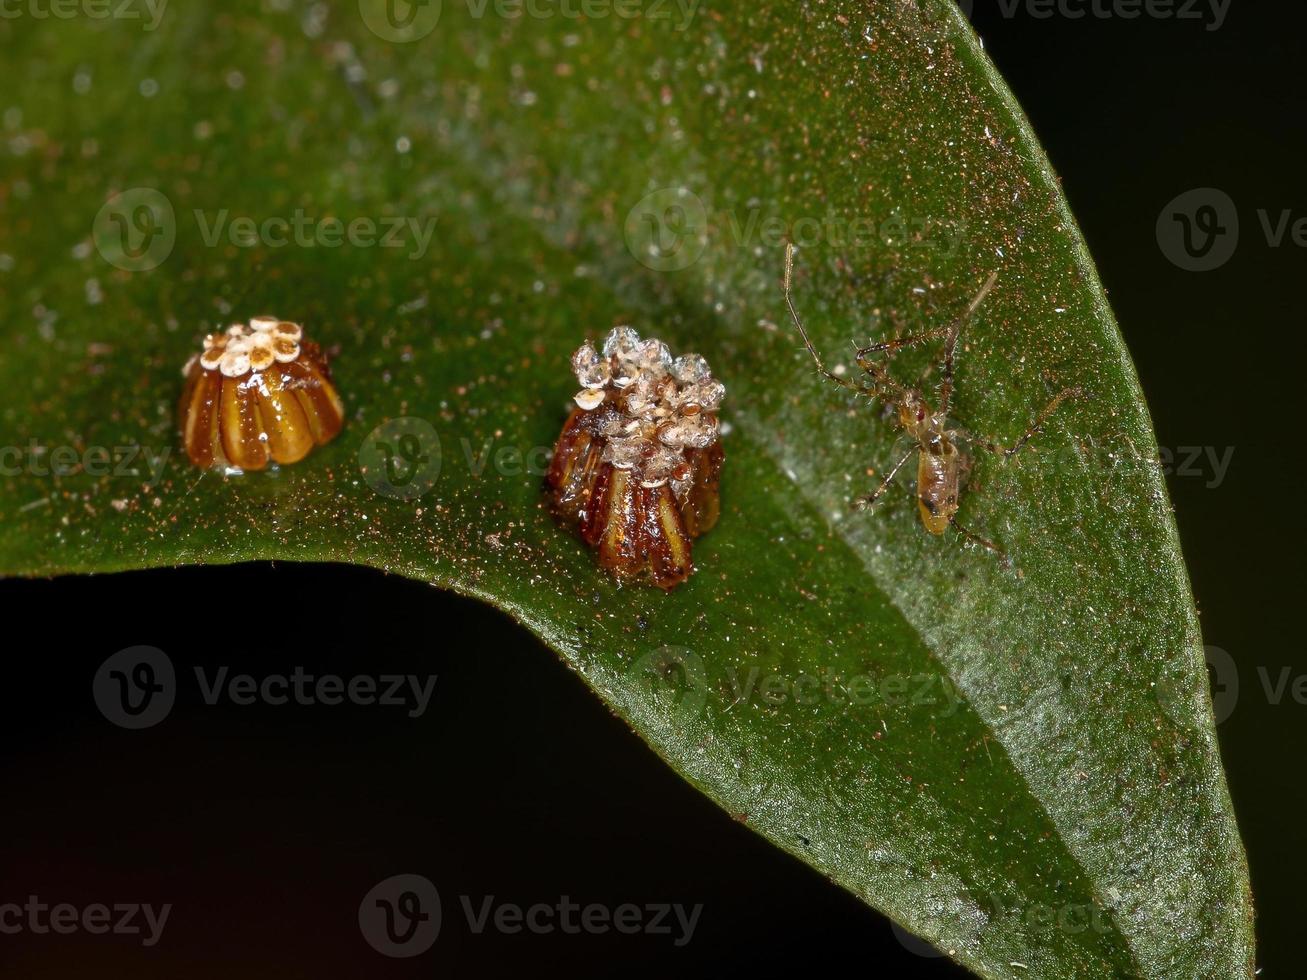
x=914, y=414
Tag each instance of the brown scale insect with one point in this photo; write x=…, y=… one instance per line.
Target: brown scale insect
x=257, y=394
x=638, y=463
x=940, y=462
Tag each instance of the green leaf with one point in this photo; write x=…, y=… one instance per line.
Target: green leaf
x=1020, y=766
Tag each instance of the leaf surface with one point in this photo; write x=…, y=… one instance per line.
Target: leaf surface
x=1020, y=766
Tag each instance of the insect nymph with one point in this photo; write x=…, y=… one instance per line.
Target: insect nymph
x=941, y=464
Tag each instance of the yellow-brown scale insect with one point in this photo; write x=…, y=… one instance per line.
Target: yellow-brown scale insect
x=257, y=394
x=940, y=462
x=638, y=464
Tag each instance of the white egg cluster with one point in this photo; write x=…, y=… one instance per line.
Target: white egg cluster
x=665, y=406
x=241, y=349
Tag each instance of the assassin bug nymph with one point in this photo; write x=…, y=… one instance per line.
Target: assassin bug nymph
x=940, y=462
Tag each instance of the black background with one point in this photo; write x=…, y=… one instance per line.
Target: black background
x=267, y=825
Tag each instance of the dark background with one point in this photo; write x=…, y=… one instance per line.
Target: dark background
x=518, y=783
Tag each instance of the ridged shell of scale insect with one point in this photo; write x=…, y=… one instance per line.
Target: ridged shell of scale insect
x=638, y=464
x=255, y=395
